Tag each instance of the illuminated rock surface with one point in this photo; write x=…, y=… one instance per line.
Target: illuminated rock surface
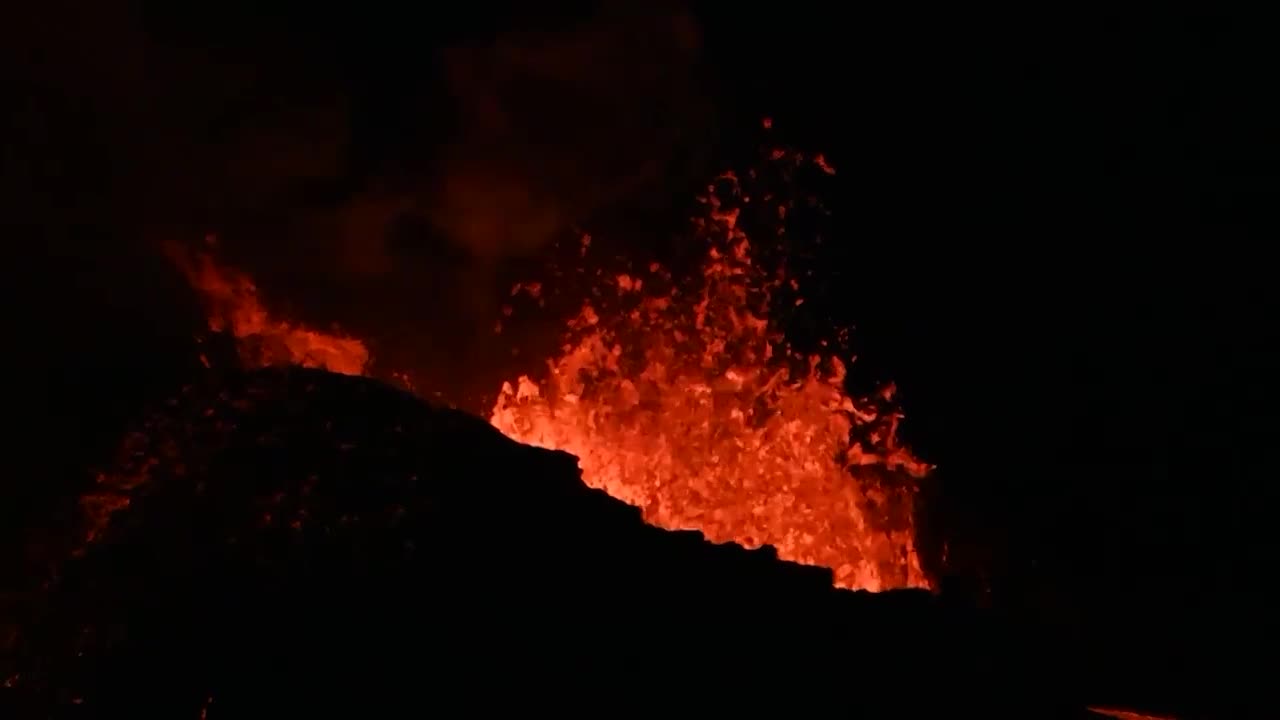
x=300, y=541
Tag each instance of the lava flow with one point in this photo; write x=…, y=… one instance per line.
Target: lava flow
x=680, y=397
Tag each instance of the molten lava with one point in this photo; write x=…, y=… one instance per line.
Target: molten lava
x=680, y=397
x=685, y=402
x=233, y=305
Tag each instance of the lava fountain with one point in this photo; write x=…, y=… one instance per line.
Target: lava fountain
x=679, y=396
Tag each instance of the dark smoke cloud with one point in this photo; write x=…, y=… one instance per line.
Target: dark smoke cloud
x=556, y=124
x=365, y=171
x=517, y=137
x=410, y=179
x=340, y=155
x=495, y=141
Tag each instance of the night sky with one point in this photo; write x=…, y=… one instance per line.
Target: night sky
x=1050, y=231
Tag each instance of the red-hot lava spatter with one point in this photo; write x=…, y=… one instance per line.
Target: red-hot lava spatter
x=680, y=398
x=685, y=402
x=232, y=302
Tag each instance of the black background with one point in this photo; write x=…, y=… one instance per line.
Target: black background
x=1053, y=232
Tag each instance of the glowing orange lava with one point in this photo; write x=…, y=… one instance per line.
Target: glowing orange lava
x=685, y=402
x=681, y=398
x=233, y=305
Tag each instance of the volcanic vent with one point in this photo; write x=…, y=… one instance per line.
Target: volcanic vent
x=305, y=536
x=680, y=395
x=294, y=539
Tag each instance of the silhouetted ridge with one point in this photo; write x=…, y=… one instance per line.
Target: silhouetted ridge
x=307, y=541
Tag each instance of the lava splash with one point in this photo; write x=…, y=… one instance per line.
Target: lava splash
x=683, y=399
x=680, y=396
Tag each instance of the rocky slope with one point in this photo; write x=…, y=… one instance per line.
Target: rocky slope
x=296, y=541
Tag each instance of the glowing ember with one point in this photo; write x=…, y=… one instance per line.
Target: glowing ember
x=233, y=306
x=682, y=399
x=1127, y=714
x=686, y=403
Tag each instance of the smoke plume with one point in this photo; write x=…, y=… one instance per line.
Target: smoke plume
x=554, y=125
x=364, y=167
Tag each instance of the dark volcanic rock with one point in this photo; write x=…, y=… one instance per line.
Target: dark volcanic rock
x=298, y=542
